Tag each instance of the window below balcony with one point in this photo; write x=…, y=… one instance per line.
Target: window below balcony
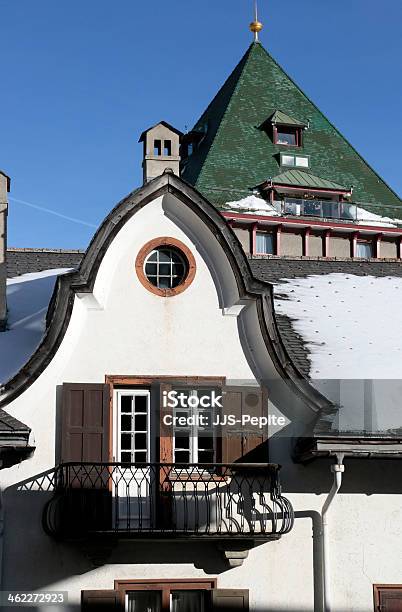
x=364, y=249
x=264, y=243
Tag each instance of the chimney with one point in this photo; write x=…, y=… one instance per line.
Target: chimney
x=161, y=150
x=4, y=189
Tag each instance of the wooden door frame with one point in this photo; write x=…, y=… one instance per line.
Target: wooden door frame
x=377, y=588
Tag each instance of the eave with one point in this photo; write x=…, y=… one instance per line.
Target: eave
x=350, y=445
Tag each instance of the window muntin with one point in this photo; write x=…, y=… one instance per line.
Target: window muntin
x=165, y=267
x=196, y=443
x=264, y=243
x=364, y=249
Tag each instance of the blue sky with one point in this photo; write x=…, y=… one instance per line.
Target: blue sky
x=81, y=80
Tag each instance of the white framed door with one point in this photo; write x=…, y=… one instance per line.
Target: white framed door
x=132, y=439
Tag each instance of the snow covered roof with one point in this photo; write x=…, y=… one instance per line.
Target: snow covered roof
x=345, y=314
x=341, y=324
x=28, y=298
x=349, y=323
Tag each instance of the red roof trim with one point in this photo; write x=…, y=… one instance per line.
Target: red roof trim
x=311, y=223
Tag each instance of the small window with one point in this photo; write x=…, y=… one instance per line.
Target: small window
x=288, y=136
x=167, y=147
x=287, y=160
x=264, y=243
x=157, y=147
x=165, y=267
x=364, y=249
x=302, y=162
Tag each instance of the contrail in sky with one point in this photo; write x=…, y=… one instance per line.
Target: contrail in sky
x=53, y=212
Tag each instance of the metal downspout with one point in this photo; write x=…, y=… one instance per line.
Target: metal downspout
x=337, y=470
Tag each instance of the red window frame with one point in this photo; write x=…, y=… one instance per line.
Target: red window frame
x=289, y=128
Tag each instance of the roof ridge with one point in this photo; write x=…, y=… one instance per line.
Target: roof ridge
x=330, y=122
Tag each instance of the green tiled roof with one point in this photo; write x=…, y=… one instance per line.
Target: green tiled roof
x=305, y=179
x=235, y=154
x=283, y=119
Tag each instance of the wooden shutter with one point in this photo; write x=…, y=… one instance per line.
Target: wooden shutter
x=388, y=598
x=85, y=437
x=230, y=600
x=240, y=441
x=85, y=423
x=104, y=601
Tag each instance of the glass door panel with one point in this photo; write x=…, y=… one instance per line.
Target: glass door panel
x=132, y=448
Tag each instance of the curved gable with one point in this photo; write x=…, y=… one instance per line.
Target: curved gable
x=231, y=272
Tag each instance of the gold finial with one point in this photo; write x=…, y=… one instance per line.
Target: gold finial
x=256, y=26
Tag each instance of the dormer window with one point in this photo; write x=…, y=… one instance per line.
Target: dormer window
x=287, y=136
x=284, y=130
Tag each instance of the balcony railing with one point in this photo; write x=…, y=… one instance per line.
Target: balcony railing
x=168, y=501
x=344, y=211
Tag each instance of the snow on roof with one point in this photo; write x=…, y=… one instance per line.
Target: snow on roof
x=252, y=204
x=28, y=298
x=368, y=218
x=351, y=324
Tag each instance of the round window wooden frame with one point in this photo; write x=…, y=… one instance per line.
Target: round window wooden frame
x=184, y=251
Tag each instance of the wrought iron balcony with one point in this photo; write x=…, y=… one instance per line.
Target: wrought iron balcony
x=211, y=501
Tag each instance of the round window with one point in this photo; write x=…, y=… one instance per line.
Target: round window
x=165, y=266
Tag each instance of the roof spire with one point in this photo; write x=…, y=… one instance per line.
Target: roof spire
x=256, y=26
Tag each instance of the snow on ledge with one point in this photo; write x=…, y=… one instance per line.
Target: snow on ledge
x=28, y=298
x=252, y=204
x=350, y=324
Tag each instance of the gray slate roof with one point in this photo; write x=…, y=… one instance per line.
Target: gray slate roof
x=9, y=424
x=273, y=269
x=277, y=269
x=24, y=261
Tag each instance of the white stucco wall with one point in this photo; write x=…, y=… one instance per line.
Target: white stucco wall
x=124, y=329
